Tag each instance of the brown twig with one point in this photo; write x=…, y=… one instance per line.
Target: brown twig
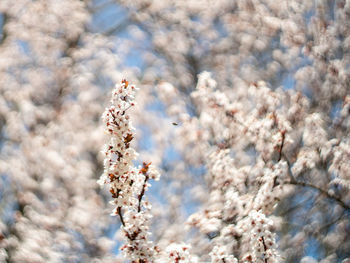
x=119, y=209
x=283, y=134
x=144, y=171
x=265, y=248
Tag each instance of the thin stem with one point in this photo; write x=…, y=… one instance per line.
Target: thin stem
x=144, y=171
x=283, y=134
x=265, y=248
x=142, y=193
x=119, y=209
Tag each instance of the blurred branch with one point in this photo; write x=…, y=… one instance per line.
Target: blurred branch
x=4, y=32
x=97, y=7
x=292, y=208
x=324, y=192
x=130, y=19
x=118, y=27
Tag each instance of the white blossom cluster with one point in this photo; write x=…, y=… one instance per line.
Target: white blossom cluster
x=179, y=253
x=262, y=240
x=127, y=184
x=220, y=254
x=232, y=200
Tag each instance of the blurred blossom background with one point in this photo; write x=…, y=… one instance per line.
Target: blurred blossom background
x=243, y=106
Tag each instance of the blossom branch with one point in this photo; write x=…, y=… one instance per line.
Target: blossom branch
x=127, y=183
